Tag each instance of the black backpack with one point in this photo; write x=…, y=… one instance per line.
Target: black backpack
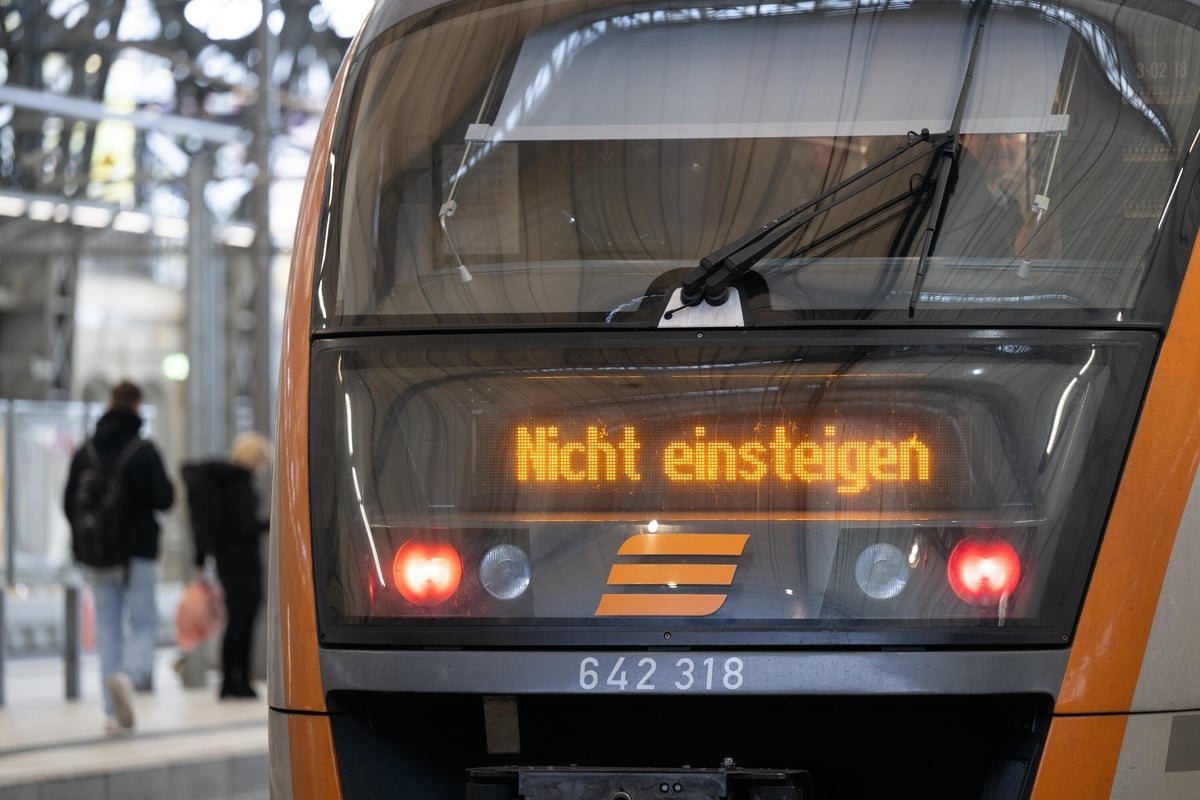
x=96, y=537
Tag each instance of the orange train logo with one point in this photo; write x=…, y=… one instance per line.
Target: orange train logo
x=650, y=571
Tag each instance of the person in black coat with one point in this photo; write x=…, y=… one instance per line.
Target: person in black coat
x=227, y=523
x=125, y=592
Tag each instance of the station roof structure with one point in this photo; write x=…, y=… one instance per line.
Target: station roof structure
x=139, y=140
x=103, y=102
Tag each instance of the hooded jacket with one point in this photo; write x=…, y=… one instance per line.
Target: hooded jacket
x=146, y=489
x=223, y=508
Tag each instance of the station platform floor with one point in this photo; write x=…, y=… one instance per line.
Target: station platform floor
x=187, y=744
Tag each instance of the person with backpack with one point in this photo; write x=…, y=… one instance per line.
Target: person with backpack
x=116, y=485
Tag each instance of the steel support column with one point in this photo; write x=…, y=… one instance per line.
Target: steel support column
x=207, y=395
x=60, y=318
x=252, y=403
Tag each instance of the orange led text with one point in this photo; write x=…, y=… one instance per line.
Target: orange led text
x=849, y=465
x=543, y=456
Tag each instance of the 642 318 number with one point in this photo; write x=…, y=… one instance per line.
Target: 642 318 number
x=652, y=674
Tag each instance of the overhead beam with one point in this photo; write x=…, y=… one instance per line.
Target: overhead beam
x=81, y=108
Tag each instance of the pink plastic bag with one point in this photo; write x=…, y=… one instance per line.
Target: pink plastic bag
x=200, y=614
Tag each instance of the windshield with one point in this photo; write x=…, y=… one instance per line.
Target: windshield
x=573, y=161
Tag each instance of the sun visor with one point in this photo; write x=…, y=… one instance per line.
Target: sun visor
x=683, y=74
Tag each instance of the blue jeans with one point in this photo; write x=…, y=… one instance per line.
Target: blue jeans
x=126, y=621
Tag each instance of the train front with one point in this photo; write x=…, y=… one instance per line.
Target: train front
x=774, y=401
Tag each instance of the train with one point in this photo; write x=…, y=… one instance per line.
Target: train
x=776, y=401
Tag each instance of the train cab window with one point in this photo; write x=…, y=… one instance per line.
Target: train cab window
x=577, y=159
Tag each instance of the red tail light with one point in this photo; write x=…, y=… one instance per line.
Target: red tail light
x=427, y=571
x=984, y=573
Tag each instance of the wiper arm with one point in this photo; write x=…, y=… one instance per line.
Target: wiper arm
x=857, y=223
x=711, y=278
x=949, y=157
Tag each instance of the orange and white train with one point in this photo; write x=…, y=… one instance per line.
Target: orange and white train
x=779, y=401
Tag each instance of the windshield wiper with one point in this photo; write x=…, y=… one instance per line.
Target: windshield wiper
x=711, y=278
x=856, y=226
x=949, y=157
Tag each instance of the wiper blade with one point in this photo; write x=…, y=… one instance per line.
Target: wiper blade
x=711, y=278
x=949, y=157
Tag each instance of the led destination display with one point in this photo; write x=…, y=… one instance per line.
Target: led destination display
x=872, y=461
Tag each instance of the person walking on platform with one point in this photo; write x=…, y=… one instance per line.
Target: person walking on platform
x=116, y=484
x=224, y=507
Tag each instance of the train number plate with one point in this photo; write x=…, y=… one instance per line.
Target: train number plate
x=672, y=673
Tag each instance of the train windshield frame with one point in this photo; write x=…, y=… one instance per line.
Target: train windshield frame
x=773, y=491
x=515, y=190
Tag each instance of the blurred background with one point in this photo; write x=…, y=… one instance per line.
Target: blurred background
x=152, y=154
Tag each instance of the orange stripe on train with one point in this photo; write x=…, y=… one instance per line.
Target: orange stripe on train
x=684, y=544
x=659, y=605
x=664, y=574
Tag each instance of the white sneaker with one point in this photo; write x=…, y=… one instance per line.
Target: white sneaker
x=121, y=689
x=114, y=729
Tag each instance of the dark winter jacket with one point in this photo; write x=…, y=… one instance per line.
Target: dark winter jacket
x=146, y=489
x=223, y=506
